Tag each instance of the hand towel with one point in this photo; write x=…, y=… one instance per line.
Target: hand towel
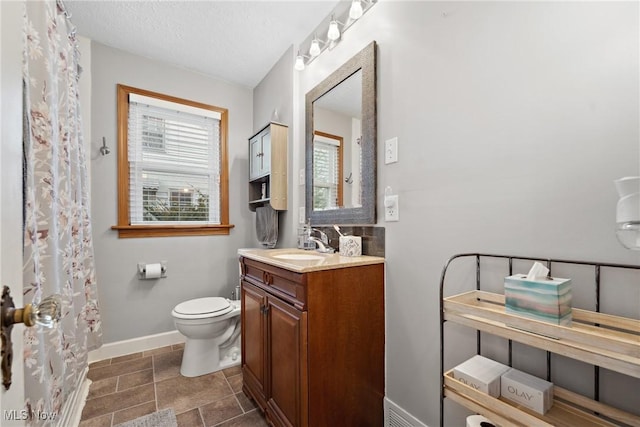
x=267, y=226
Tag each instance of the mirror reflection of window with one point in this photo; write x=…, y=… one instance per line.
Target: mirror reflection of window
x=327, y=171
x=338, y=113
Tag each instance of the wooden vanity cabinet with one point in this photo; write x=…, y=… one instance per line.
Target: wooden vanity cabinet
x=313, y=344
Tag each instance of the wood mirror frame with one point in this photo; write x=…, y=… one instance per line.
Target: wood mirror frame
x=364, y=60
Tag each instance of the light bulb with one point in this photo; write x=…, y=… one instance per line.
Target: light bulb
x=314, y=50
x=299, y=65
x=356, y=10
x=334, y=31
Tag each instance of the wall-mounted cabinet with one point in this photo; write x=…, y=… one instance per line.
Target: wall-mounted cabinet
x=268, y=167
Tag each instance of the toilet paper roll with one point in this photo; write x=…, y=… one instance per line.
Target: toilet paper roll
x=153, y=271
x=478, y=421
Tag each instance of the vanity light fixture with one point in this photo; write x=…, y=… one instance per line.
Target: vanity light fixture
x=356, y=10
x=346, y=15
x=334, y=31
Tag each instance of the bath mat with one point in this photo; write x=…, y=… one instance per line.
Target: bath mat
x=164, y=418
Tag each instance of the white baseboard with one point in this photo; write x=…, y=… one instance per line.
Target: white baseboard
x=71, y=411
x=135, y=345
x=395, y=416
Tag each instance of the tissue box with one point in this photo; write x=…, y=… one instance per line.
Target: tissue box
x=482, y=374
x=527, y=390
x=544, y=299
x=350, y=245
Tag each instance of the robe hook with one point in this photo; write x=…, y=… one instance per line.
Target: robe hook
x=104, y=150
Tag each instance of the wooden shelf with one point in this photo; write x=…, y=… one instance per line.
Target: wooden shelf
x=599, y=339
x=602, y=340
x=569, y=409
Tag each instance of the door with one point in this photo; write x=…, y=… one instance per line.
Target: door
x=11, y=401
x=287, y=336
x=255, y=157
x=265, y=137
x=254, y=367
x=260, y=154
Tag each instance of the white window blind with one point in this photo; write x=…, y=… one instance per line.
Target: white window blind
x=174, y=163
x=326, y=163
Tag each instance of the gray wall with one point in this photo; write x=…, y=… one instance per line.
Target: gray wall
x=197, y=266
x=274, y=94
x=513, y=120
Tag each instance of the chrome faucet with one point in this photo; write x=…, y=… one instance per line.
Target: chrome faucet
x=322, y=242
x=325, y=249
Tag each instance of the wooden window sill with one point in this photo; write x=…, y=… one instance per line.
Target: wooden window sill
x=127, y=231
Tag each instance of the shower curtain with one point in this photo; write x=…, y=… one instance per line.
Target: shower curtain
x=58, y=248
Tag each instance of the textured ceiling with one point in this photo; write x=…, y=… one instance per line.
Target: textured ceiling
x=237, y=41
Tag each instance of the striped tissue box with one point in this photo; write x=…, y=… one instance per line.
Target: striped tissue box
x=544, y=299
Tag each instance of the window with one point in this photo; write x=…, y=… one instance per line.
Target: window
x=172, y=166
x=327, y=171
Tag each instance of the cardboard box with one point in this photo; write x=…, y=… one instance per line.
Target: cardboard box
x=527, y=390
x=482, y=374
x=544, y=299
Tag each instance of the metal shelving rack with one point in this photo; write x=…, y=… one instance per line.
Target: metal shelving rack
x=591, y=339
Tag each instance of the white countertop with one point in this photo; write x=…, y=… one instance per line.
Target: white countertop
x=302, y=261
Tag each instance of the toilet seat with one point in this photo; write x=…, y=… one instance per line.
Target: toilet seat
x=203, y=308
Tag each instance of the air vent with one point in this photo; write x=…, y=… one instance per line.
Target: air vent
x=395, y=420
x=395, y=416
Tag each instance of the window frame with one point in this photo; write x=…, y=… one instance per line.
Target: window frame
x=340, y=159
x=124, y=227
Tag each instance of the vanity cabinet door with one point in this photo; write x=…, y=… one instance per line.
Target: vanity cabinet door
x=287, y=361
x=254, y=366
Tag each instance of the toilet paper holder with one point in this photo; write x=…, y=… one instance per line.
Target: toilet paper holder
x=142, y=270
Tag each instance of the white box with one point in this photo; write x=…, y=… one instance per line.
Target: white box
x=350, y=245
x=527, y=390
x=481, y=374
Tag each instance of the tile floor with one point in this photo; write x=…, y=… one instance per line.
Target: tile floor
x=128, y=387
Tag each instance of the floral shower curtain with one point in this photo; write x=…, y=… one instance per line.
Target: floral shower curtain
x=58, y=248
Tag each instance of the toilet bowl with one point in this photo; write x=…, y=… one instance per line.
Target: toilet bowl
x=211, y=327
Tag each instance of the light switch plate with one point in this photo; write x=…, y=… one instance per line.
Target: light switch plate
x=391, y=150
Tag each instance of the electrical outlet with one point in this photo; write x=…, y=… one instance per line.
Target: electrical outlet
x=301, y=218
x=391, y=208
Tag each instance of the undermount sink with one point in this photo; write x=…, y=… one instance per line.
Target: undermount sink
x=299, y=257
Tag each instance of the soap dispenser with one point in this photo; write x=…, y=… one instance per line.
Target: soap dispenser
x=304, y=236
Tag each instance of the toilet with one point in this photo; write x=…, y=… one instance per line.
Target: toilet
x=211, y=327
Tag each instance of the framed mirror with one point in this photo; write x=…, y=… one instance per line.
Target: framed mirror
x=340, y=144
